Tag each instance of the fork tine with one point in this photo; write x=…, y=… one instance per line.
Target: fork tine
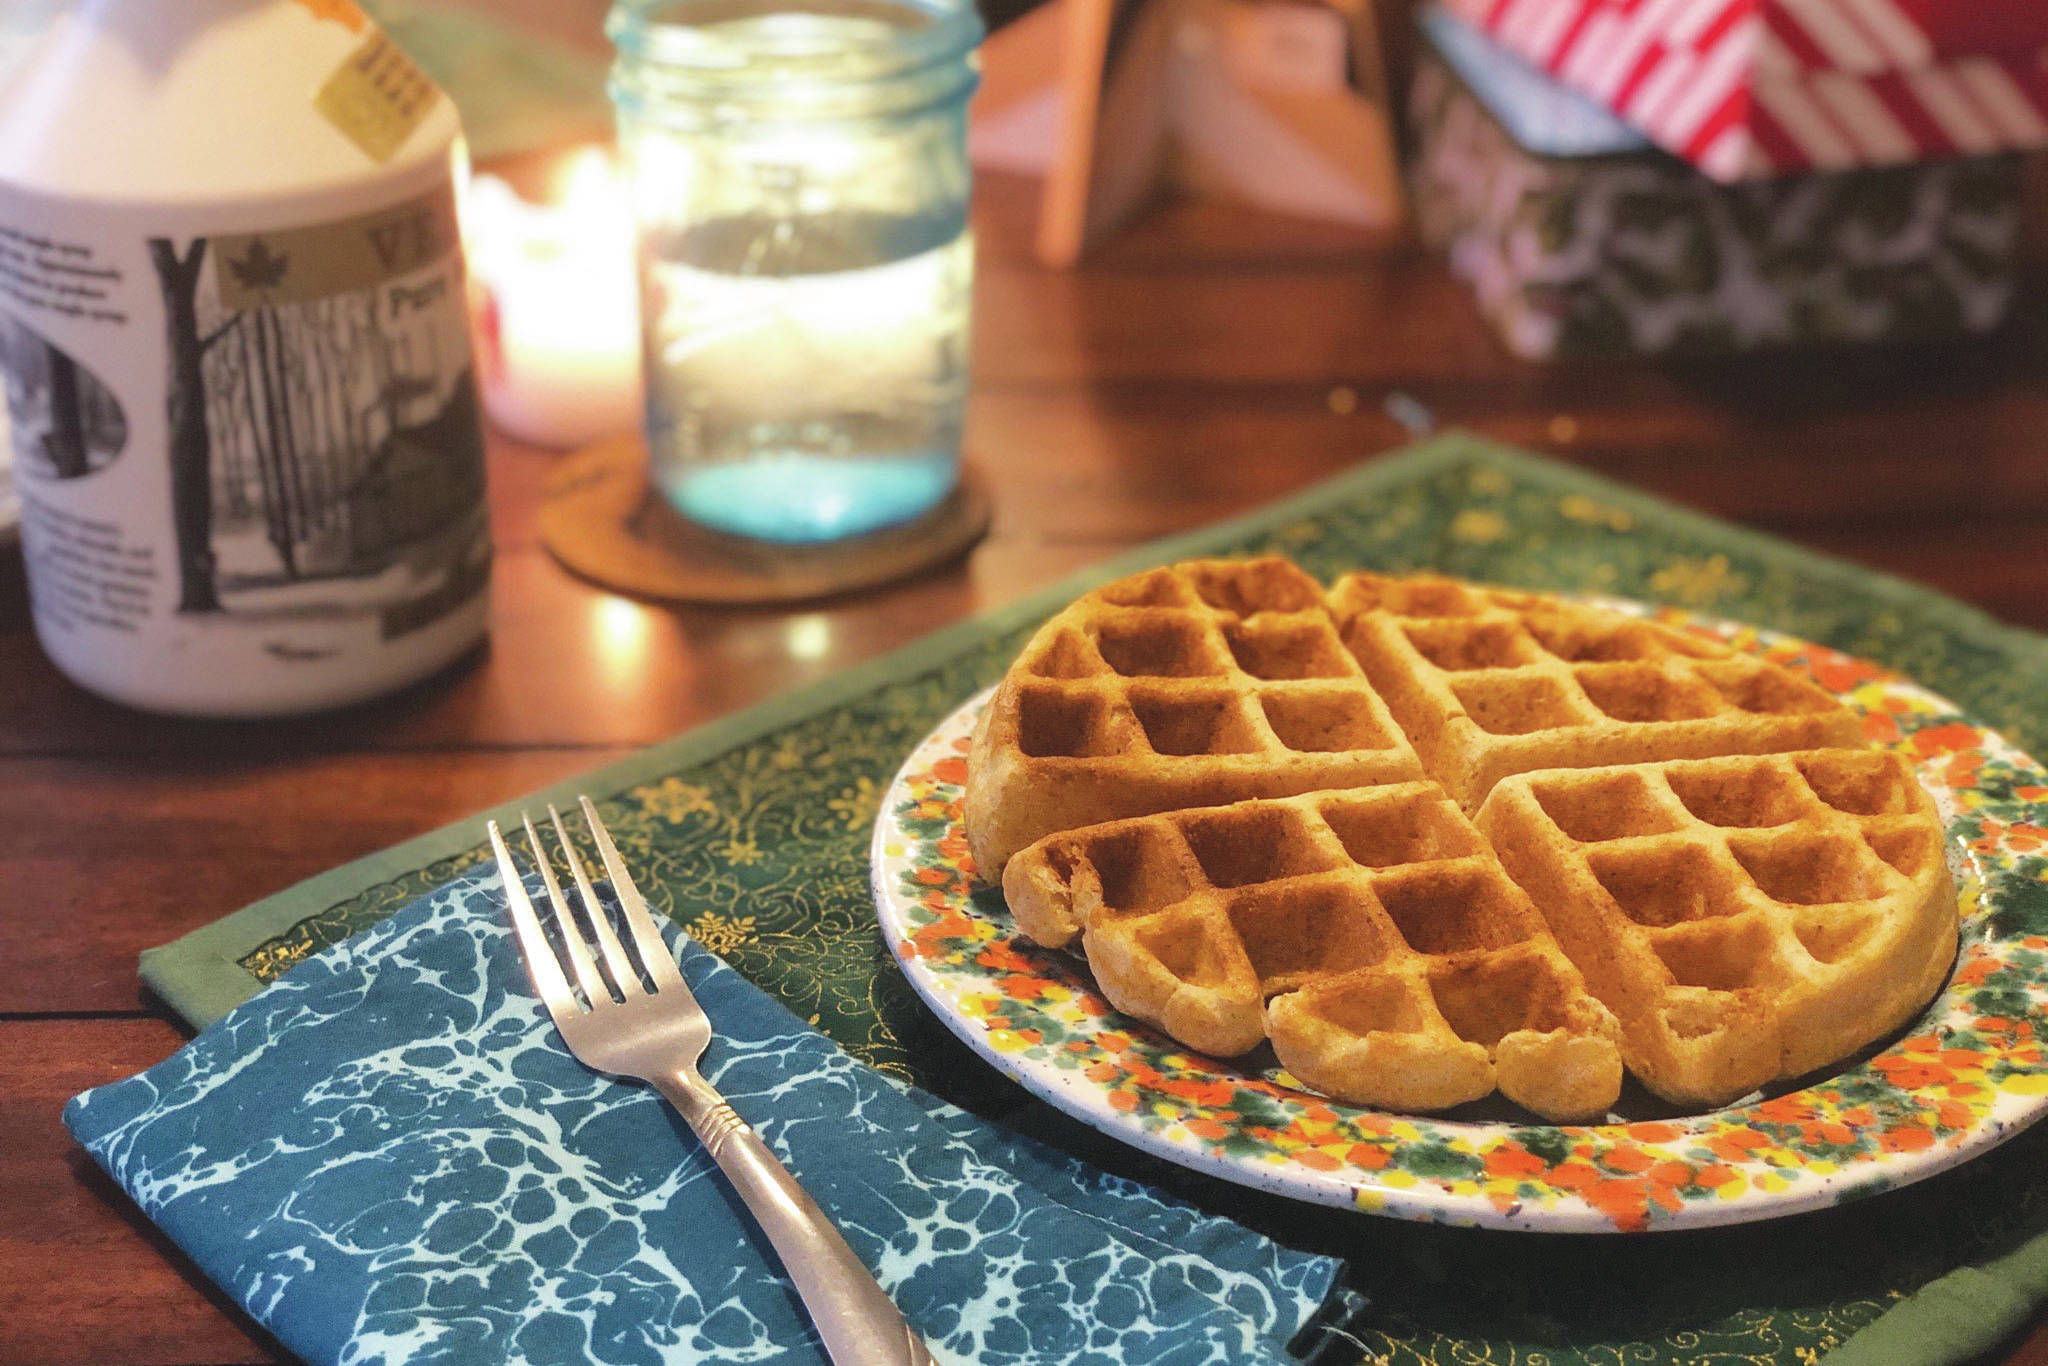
x=573, y=942
x=615, y=958
x=661, y=964
x=541, y=966
x=587, y=974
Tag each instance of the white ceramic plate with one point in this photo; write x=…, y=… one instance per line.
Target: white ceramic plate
x=1967, y=1075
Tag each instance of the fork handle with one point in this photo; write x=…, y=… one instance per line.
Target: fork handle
x=858, y=1322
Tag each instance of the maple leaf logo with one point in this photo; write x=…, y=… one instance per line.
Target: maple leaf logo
x=260, y=268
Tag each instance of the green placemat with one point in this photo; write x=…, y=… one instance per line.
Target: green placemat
x=753, y=833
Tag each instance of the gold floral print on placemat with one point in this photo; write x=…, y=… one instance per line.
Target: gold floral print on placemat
x=274, y=957
x=673, y=800
x=1694, y=582
x=722, y=934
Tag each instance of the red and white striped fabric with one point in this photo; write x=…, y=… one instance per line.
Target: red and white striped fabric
x=1746, y=88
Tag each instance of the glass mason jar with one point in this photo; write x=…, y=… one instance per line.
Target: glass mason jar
x=799, y=176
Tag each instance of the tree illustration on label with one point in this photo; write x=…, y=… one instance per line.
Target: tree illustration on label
x=261, y=272
x=63, y=422
x=191, y=449
x=325, y=449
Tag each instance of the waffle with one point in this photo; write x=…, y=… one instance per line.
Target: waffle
x=1691, y=841
x=1746, y=918
x=1370, y=934
x=1486, y=683
x=1202, y=684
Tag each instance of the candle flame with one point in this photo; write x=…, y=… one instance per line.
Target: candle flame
x=558, y=302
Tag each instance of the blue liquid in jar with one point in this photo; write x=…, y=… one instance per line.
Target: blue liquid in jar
x=808, y=375
x=839, y=497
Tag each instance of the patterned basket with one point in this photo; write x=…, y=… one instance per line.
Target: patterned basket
x=1627, y=250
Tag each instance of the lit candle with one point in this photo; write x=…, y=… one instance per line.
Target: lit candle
x=559, y=331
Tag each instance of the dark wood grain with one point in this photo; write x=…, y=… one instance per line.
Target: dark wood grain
x=150, y=846
x=1210, y=360
x=84, y=1278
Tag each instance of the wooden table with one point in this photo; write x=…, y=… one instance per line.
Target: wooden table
x=1208, y=362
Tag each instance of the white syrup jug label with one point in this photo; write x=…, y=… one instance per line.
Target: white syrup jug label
x=246, y=451
x=233, y=331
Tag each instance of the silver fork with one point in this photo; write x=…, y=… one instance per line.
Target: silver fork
x=657, y=1035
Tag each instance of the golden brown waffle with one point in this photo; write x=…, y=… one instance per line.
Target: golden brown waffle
x=1746, y=918
x=1486, y=683
x=1371, y=934
x=1205, y=683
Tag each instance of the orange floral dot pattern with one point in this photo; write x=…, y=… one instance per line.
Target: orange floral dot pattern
x=1970, y=1073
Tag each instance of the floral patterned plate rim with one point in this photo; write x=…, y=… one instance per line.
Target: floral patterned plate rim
x=1968, y=1074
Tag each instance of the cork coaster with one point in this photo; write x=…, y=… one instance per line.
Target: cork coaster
x=601, y=518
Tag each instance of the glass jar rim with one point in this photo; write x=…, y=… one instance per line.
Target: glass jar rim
x=694, y=41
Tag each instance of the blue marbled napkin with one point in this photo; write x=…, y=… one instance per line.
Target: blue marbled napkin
x=388, y=1156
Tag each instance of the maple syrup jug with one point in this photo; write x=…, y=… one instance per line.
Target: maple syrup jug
x=239, y=389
